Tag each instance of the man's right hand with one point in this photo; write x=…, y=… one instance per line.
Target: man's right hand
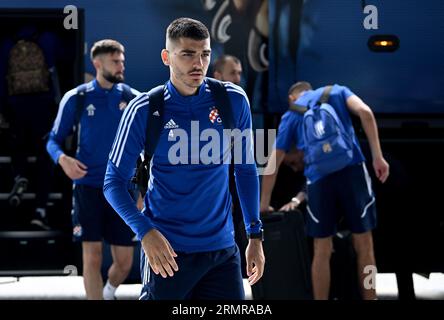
x=72, y=167
x=160, y=253
x=266, y=209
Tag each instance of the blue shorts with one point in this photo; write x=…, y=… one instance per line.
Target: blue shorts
x=346, y=194
x=95, y=220
x=214, y=275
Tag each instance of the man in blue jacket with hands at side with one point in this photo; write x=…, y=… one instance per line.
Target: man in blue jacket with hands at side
x=186, y=228
x=95, y=109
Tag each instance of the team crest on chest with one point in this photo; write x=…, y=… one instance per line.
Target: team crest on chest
x=214, y=115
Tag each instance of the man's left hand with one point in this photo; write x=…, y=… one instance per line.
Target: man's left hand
x=255, y=260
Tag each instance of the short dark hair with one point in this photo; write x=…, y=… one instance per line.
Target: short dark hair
x=187, y=28
x=298, y=87
x=106, y=46
x=220, y=62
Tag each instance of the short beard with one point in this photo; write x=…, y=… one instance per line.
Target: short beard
x=113, y=79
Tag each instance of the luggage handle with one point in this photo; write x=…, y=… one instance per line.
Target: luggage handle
x=277, y=215
x=272, y=216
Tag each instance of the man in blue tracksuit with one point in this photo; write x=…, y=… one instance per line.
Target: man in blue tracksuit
x=93, y=218
x=343, y=193
x=186, y=228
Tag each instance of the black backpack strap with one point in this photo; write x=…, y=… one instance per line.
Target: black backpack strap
x=152, y=135
x=298, y=108
x=80, y=106
x=325, y=95
x=223, y=102
x=80, y=103
x=154, y=120
x=127, y=94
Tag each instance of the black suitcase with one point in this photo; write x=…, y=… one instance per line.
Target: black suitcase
x=287, y=262
x=344, y=283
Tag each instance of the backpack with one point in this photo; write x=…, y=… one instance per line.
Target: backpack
x=27, y=69
x=154, y=126
x=328, y=146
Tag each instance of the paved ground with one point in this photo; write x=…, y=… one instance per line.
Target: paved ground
x=62, y=288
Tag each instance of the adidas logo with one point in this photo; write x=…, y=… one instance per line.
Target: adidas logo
x=156, y=113
x=171, y=125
